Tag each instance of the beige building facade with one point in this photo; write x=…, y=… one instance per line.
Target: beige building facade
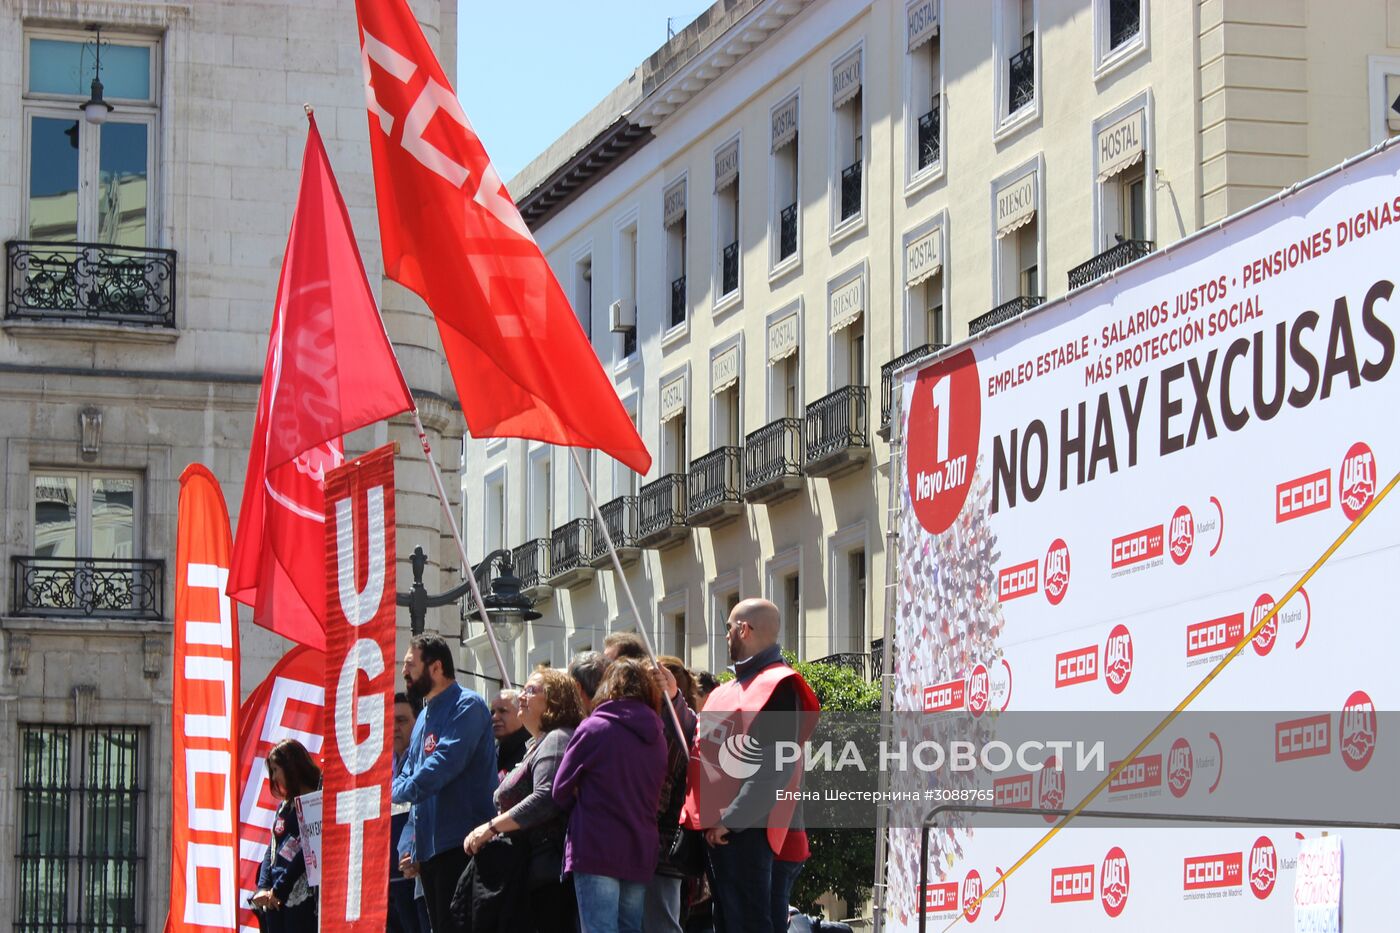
x=142, y=258
x=790, y=199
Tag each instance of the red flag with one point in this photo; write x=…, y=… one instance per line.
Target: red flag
x=204, y=701
x=359, y=680
x=522, y=364
x=286, y=705
x=330, y=370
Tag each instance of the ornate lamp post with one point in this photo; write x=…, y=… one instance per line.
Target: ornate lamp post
x=508, y=607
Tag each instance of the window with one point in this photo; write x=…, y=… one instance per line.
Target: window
x=674, y=447
x=624, y=323
x=677, y=450
x=495, y=526
x=726, y=597
x=578, y=497
x=676, y=642
x=541, y=499
x=90, y=183
x=675, y=222
x=1119, y=32
x=848, y=125
x=925, y=88
x=784, y=364
x=624, y=477
x=785, y=175
x=924, y=283
x=1120, y=154
x=727, y=218
x=583, y=294
x=82, y=819
x=935, y=324
x=791, y=609
x=1015, y=51
x=847, y=306
x=726, y=422
x=1018, y=235
x=855, y=635
x=1027, y=261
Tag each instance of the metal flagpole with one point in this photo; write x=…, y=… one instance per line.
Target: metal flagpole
x=600, y=524
x=462, y=548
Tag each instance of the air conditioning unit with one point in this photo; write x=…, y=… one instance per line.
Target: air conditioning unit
x=623, y=316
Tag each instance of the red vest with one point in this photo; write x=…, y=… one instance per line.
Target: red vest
x=730, y=711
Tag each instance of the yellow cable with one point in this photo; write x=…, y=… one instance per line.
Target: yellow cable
x=1190, y=697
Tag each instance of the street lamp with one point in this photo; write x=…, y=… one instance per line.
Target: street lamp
x=508, y=607
x=95, y=108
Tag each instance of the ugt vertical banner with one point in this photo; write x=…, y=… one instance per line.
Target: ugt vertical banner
x=359, y=692
x=204, y=800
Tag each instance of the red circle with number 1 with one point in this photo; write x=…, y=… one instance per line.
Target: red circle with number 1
x=945, y=427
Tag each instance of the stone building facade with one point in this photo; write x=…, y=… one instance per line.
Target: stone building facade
x=142, y=262
x=792, y=197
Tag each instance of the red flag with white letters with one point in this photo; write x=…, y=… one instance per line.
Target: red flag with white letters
x=359, y=681
x=451, y=233
x=330, y=370
x=286, y=705
x=204, y=702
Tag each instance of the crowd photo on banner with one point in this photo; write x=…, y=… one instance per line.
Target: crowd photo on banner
x=357, y=790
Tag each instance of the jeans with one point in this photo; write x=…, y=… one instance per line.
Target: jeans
x=784, y=877
x=403, y=913
x=662, y=913
x=609, y=905
x=741, y=881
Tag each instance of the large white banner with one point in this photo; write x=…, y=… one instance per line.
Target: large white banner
x=1101, y=498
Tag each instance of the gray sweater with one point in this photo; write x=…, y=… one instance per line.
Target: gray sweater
x=524, y=794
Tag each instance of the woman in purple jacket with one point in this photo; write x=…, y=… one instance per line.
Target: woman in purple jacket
x=610, y=784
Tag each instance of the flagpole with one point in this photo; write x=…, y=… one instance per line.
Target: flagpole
x=599, y=524
x=461, y=549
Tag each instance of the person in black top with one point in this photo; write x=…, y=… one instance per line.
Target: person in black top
x=283, y=902
x=511, y=734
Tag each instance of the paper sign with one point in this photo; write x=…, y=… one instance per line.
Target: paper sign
x=309, y=819
x=1317, y=887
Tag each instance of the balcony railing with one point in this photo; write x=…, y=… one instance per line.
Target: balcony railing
x=87, y=586
x=850, y=190
x=678, y=301
x=887, y=376
x=620, y=516
x=1124, y=21
x=571, y=547
x=1115, y=257
x=851, y=660
x=713, y=484
x=89, y=282
x=1021, y=83
x=838, y=431
x=929, y=144
x=787, y=231
x=877, y=658
x=773, y=459
x=662, y=509
x=729, y=269
x=1004, y=312
x=532, y=563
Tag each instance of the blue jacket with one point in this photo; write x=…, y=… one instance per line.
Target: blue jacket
x=450, y=773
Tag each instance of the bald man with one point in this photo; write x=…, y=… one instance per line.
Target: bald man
x=756, y=846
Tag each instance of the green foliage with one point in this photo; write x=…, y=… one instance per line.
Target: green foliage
x=843, y=860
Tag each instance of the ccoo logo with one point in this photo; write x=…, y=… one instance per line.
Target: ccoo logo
x=1357, y=485
x=1113, y=882
x=1056, y=575
x=1358, y=730
x=1180, y=765
x=1182, y=535
x=1118, y=658
x=1263, y=867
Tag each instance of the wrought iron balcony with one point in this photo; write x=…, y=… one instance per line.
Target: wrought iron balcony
x=89, y=282
x=87, y=587
x=729, y=269
x=838, y=432
x=773, y=461
x=787, y=231
x=662, y=508
x=1115, y=257
x=1021, y=79
x=887, y=377
x=852, y=660
x=930, y=145
x=850, y=190
x=532, y=566
x=1124, y=21
x=678, y=301
x=877, y=659
x=571, y=553
x=620, y=516
x=713, y=488
x=1004, y=312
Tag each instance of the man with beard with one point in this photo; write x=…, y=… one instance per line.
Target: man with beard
x=511, y=734
x=756, y=846
x=449, y=774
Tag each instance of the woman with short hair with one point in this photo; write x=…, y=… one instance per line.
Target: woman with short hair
x=610, y=784
x=283, y=902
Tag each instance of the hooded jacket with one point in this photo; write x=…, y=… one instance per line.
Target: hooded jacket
x=609, y=782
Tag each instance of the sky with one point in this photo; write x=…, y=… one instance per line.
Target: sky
x=527, y=70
